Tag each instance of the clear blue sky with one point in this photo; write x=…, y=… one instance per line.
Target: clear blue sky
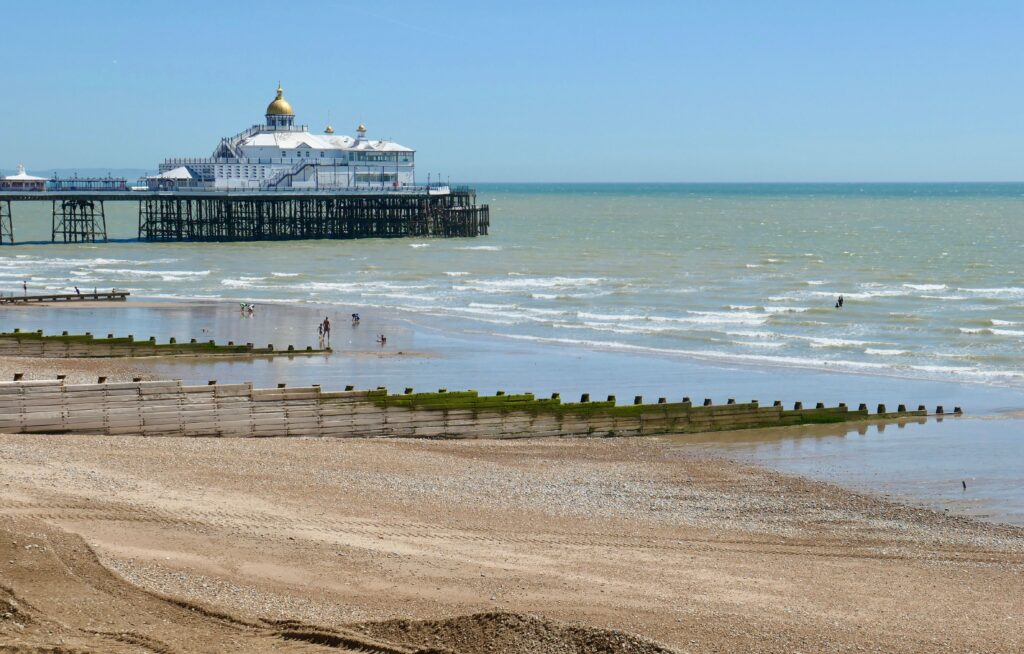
x=525, y=91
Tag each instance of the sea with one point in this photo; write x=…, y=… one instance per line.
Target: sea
x=663, y=289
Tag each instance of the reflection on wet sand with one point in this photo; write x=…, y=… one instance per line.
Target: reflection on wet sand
x=775, y=434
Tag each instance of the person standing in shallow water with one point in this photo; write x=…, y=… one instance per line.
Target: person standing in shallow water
x=327, y=330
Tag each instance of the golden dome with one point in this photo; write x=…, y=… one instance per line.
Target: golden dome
x=328, y=130
x=361, y=128
x=280, y=106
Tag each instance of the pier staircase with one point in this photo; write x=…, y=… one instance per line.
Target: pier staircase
x=228, y=147
x=275, y=183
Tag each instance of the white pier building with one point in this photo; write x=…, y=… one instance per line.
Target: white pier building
x=280, y=156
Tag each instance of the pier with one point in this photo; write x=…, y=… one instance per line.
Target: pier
x=198, y=215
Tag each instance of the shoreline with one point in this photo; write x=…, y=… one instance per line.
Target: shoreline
x=426, y=321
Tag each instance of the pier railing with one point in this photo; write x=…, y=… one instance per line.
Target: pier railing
x=360, y=189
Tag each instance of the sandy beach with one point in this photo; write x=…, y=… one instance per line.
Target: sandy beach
x=335, y=536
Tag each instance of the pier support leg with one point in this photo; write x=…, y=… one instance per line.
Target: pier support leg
x=6, y=222
x=78, y=221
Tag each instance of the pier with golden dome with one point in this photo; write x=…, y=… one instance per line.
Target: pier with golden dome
x=274, y=180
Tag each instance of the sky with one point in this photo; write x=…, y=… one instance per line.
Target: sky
x=533, y=91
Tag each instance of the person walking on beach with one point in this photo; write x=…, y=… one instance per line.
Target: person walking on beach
x=840, y=301
x=24, y=288
x=327, y=330
x=77, y=292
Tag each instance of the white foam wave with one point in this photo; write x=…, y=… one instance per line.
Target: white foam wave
x=926, y=287
x=520, y=284
x=759, y=344
x=490, y=305
x=402, y=296
x=587, y=315
x=859, y=295
x=725, y=318
x=777, y=309
x=1007, y=332
x=995, y=293
x=820, y=342
x=164, y=275
x=486, y=248
x=419, y=245
x=281, y=274
x=754, y=334
x=884, y=352
x=358, y=287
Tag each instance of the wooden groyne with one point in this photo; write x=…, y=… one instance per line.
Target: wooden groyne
x=170, y=408
x=36, y=344
x=99, y=296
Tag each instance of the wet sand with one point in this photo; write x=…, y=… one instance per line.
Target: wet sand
x=631, y=535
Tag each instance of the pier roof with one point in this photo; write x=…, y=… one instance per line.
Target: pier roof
x=22, y=176
x=181, y=172
x=290, y=140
